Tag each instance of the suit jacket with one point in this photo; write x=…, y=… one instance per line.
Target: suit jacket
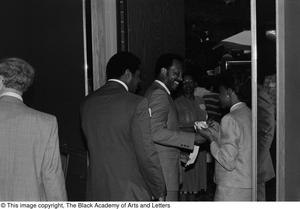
x=30, y=164
x=166, y=134
x=265, y=136
x=124, y=165
x=233, y=149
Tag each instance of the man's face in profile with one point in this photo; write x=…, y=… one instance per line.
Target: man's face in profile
x=224, y=97
x=174, y=75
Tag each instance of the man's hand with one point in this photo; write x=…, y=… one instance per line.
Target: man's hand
x=162, y=199
x=213, y=124
x=214, y=129
x=184, y=157
x=199, y=139
x=206, y=133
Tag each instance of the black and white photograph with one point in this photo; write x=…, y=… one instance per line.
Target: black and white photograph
x=148, y=102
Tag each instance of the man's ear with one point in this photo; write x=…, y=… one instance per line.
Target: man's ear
x=163, y=71
x=1, y=82
x=128, y=75
x=230, y=91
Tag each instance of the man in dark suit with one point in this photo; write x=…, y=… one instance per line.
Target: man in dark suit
x=167, y=137
x=124, y=165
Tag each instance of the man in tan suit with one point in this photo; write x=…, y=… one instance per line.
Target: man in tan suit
x=232, y=146
x=30, y=164
x=167, y=137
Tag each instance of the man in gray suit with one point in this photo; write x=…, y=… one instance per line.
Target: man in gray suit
x=167, y=137
x=231, y=143
x=124, y=164
x=30, y=164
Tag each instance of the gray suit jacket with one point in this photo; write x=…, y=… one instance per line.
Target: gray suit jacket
x=265, y=136
x=124, y=165
x=30, y=164
x=166, y=134
x=233, y=149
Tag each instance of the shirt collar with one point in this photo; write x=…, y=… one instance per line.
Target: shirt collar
x=235, y=106
x=164, y=86
x=120, y=82
x=12, y=94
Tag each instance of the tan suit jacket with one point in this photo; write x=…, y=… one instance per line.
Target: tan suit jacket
x=30, y=164
x=233, y=149
x=166, y=134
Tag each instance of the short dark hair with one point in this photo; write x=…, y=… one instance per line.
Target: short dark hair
x=165, y=61
x=17, y=73
x=227, y=80
x=121, y=61
x=241, y=88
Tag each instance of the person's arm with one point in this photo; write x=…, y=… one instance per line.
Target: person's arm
x=225, y=150
x=265, y=123
x=146, y=153
x=265, y=127
x=52, y=173
x=159, y=104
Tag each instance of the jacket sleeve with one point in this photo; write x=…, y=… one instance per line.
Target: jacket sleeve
x=52, y=174
x=265, y=124
x=160, y=105
x=225, y=149
x=147, y=156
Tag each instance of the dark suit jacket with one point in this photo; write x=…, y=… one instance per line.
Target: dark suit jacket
x=30, y=164
x=265, y=136
x=124, y=165
x=166, y=135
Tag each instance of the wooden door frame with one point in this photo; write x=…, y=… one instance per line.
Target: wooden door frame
x=280, y=110
x=104, y=37
x=254, y=97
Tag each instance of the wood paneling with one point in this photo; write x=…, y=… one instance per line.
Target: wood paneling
x=254, y=97
x=155, y=27
x=104, y=37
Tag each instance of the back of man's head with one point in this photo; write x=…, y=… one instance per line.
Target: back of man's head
x=120, y=62
x=165, y=61
x=17, y=74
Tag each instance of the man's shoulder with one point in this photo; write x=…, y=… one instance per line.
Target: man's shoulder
x=39, y=114
x=23, y=112
x=134, y=98
x=154, y=90
x=241, y=115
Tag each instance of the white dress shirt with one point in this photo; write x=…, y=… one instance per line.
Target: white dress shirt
x=164, y=86
x=120, y=82
x=12, y=94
